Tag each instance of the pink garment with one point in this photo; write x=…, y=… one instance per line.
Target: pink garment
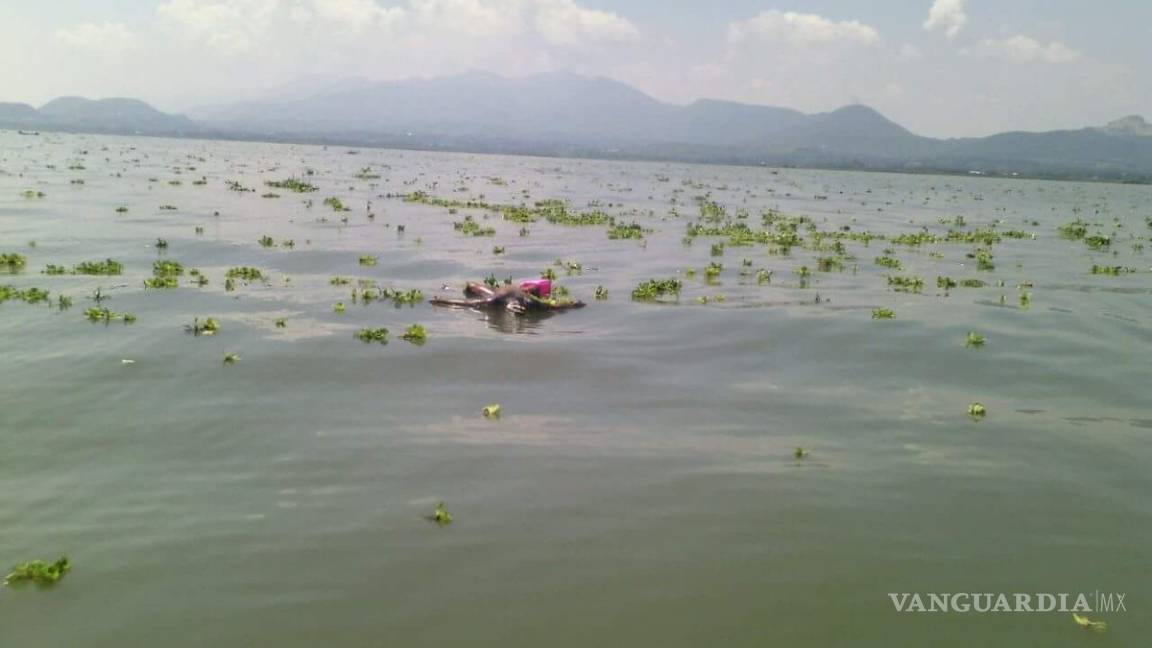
x=539, y=287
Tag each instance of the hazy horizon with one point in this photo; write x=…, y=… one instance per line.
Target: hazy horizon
x=947, y=68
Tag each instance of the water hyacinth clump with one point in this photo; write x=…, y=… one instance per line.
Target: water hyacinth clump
x=654, y=289
x=416, y=334
x=209, y=326
x=107, y=267
x=103, y=314
x=39, y=572
x=373, y=335
x=26, y=295
x=441, y=515
x=292, y=184
x=13, y=262
x=245, y=273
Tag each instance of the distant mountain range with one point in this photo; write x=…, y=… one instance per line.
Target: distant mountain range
x=130, y=116
x=567, y=114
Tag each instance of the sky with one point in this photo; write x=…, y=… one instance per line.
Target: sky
x=942, y=68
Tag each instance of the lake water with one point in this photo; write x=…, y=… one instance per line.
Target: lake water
x=641, y=487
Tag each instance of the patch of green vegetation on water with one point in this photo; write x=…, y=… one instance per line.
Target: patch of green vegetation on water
x=39, y=572
x=416, y=334
x=292, y=184
x=107, y=267
x=654, y=289
x=13, y=262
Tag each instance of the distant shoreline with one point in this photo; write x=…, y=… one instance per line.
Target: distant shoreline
x=479, y=146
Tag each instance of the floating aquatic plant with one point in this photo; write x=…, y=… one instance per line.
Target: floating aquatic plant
x=625, y=231
x=373, y=335
x=102, y=314
x=441, y=515
x=161, y=244
x=470, y=227
x=245, y=273
x=498, y=249
x=27, y=295
x=491, y=410
x=231, y=358
x=38, y=571
x=800, y=453
x=368, y=260
x=763, y=276
x=52, y=269
x=977, y=411
x=416, y=334
x=1088, y=624
x=105, y=267
x=548, y=273
x=1097, y=241
x=1075, y=230
x=208, y=327
x=281, y=323
x=974, y=339
x=888, y=262
x=338, y=307
x=883, y=313
x=400, y=298
x=906, y=284
x=167, y=269
x=336, y=204
x=1111, y=270
x=13, y=262
x=601, y=292
x=655, y=288
x=292, y=184
x=266, y=241
x=161, y=282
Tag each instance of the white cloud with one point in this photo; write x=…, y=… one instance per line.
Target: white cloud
x=801, y=29
x=1025, y=49
x=241, y=27
x=948, y=15
x=563, y=22
x=106, y=37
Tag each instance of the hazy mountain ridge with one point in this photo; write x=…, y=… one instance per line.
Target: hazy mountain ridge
x=114, y=115
x=568, y=114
